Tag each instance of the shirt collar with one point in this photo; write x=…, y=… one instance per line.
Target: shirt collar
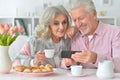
x=99, y=30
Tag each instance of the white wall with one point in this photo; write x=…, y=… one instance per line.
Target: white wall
x=111, y=10
x=18, y=7
x=25, y=7
x=34, y=7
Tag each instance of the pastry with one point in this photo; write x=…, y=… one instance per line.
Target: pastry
x=19, y=68
x=49, y=69
x=42, y=67
x=48, y=65
x=27, y=70
x=28, y=67
x=43, y=70
x=34, y=68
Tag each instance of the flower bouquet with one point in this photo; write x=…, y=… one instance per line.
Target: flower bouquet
x=8, y=34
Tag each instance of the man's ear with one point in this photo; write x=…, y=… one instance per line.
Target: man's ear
x=95, y=14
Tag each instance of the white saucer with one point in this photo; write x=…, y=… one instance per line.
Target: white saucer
x=82, y=75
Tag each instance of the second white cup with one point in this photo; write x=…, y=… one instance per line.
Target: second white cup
x=76, y=70
x=49, y=53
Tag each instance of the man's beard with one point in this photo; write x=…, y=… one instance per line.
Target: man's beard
x=86, y=31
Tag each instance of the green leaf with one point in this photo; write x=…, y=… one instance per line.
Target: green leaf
x=8, y=40
x=12, y=39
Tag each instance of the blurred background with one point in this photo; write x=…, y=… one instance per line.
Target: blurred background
x=30, y=10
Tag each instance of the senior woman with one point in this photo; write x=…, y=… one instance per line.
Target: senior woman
x=49, y=34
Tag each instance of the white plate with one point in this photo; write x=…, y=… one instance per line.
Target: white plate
x=82, y=75
x=35, y=74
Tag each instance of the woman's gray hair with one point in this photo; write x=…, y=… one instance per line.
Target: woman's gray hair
x=90, y=7
x=43, y=30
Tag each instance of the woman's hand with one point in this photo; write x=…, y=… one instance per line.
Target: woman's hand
x=39, y=57
x=70, y=32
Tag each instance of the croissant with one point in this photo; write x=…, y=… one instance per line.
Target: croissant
x=34, y=69
x=27, y=70
x=19, y=68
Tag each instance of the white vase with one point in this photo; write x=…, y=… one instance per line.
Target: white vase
x=5, y=61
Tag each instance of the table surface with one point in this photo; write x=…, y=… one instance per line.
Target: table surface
x=58, y=74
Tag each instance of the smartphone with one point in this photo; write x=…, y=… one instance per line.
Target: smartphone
x=67, y=53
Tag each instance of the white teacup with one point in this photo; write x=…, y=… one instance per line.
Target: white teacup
x=49, y=53
x=76, y=70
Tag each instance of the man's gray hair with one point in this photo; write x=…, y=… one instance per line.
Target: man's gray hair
x=90, y=7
